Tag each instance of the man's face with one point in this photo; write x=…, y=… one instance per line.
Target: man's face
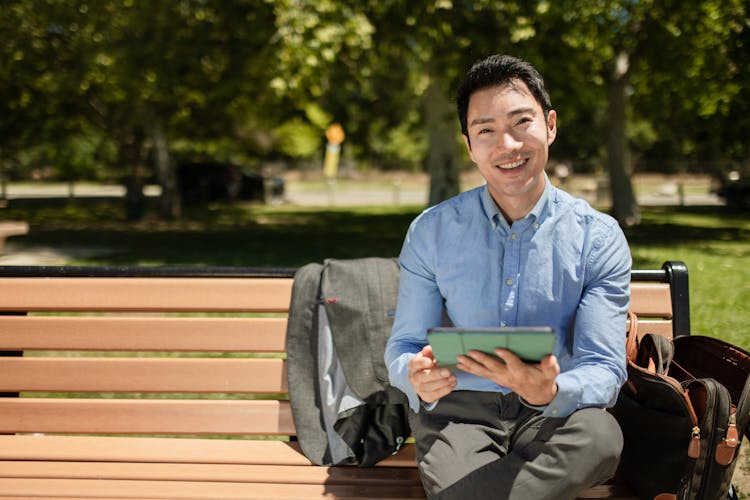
x=509, y=140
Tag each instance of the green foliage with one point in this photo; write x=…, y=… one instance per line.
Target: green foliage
x=235, y=78
x=298, y=139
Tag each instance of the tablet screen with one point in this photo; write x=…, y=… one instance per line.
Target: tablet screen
x=530, y=344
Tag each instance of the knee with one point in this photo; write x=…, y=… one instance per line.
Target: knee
x=604, y=437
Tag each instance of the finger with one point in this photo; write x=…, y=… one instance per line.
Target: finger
x=428, y=379
x=432, y=390
x=437, y=384
x=509, y=358
x=427, y=352
x=487, y=361
x=421, y=362
x=476, y=363
x=432, y=396
x=434, y=374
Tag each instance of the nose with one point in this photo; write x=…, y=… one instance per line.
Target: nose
x=508, y=142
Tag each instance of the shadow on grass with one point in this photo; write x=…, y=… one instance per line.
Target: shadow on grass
x=262, y=236
x=220, y=235
x=684, y=225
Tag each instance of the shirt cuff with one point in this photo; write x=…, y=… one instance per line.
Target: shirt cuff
x=428, y=406
x=529, y=405
x=567, y=399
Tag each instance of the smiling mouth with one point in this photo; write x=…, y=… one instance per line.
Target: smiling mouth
x=511, y=165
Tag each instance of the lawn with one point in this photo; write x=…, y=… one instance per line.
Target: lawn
x=715, y=246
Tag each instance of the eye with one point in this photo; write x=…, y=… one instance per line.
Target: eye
x=525, y=119
x=484, y=131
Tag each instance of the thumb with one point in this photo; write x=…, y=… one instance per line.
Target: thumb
x=549, y=365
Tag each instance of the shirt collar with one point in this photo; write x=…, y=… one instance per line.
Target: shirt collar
x=538, y=213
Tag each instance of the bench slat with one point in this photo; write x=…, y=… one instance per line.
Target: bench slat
x=60, y=488
x=651, y=299
x=283, y=474
x=98, y=333
x=98, y=488
x=141, y=416
x=147, y=294
x=167, y=450
x=663, y=328
x=25, y=374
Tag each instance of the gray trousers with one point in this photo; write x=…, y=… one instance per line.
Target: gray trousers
x=489, y=445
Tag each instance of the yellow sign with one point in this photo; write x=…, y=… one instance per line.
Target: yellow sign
x=335, y=134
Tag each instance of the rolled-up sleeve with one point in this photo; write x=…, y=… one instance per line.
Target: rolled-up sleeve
x=419, y=308
x=598, y=346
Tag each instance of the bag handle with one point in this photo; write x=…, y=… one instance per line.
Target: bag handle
x=652, y=352
x=655, y=352
x=631, y=340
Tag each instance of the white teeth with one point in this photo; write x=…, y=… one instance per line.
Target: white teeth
x=508, y=166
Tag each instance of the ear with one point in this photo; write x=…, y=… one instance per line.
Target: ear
x=551, y=126
x=468, y=147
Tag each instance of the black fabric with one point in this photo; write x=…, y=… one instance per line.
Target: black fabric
x=377, y=429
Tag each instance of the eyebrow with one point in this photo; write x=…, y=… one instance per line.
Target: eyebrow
x=520, y=111
x=481, y=121
x=511, y=114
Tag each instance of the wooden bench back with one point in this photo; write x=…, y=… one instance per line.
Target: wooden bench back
x=127, y=355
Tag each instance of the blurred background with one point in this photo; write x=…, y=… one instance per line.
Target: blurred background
x=189, y=102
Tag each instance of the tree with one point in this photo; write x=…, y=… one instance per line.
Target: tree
x=660, y=63
x=173, y=80
x=143, y=73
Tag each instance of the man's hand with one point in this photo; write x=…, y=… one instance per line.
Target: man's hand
x=535, y=383
x=430, y=382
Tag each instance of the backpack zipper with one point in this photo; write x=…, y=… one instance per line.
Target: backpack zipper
x=717, y=397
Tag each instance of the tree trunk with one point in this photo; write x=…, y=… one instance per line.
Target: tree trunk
x=442, y=154
x=131, y=158
x=169, y=204
x=624, y=205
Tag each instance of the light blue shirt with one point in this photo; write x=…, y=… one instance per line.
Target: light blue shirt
x=564, y=265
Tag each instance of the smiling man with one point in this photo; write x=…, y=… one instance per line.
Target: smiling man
x=515, y=252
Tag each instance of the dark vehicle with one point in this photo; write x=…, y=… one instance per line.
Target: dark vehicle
x=734, y=188
x=203, y=182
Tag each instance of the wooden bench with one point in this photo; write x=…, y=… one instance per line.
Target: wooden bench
x=96, y=402
x=11, y=228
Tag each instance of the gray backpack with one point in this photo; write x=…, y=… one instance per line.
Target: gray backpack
x=340, y=318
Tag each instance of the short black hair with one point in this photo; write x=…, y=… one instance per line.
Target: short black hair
x=495, y=70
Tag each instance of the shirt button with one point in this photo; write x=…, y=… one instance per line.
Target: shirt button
x=536, y=226
x=554, y=411
x=509, y=282
x=513, y=236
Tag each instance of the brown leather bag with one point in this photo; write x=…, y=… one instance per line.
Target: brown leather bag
x=680, y=421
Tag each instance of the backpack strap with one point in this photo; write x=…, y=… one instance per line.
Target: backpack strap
x=301, y=365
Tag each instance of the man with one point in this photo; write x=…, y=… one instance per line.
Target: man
x=515, y=252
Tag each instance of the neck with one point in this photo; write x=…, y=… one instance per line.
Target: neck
x=516, y=208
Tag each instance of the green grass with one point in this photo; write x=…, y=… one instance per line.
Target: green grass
x=715, y=245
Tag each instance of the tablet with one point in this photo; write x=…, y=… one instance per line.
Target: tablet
x=530, y=344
